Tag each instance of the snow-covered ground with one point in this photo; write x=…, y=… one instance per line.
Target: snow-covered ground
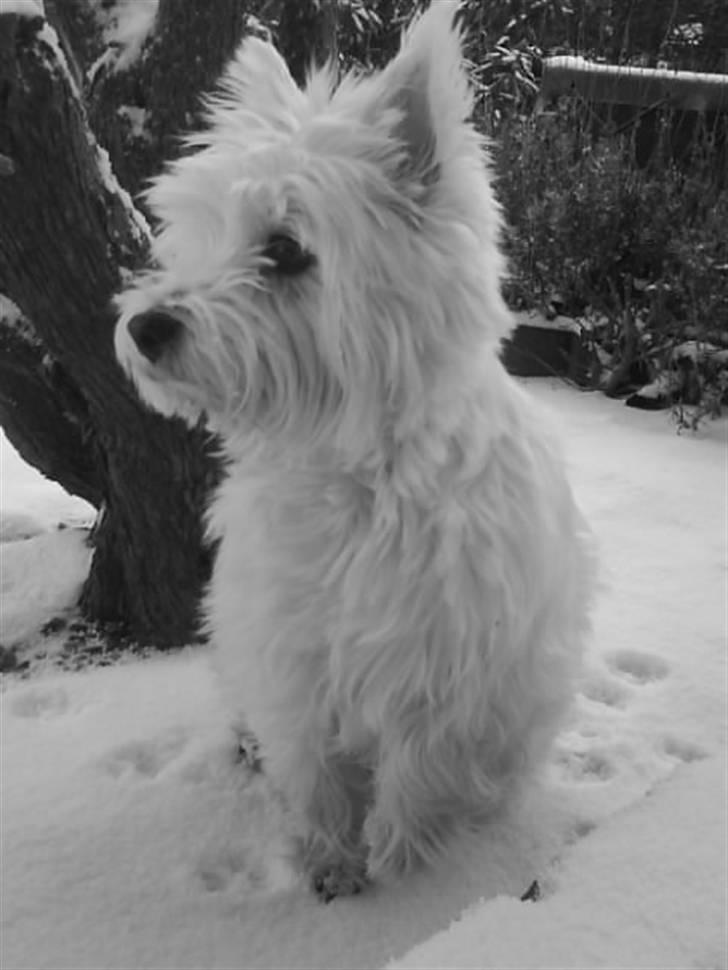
x=132, y=839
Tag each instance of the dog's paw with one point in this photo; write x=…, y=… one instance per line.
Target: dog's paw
x=338, y=879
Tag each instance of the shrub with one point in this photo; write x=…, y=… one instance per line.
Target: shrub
x=639, y=254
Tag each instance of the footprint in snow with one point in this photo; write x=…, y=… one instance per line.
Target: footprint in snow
x=591, y=750
x=600, y=744
x=636, y=667
x=40, y=702
x=259, y=868
x=681, y=750
x=585, y=767
x=606, y=691
x=145, y=759
x=225, y=867
x=628, y=669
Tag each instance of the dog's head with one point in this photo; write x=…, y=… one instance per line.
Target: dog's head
x=326, y=258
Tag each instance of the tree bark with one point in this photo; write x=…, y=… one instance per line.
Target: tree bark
x=308, y=19
x=68, y=236
x=139, y=112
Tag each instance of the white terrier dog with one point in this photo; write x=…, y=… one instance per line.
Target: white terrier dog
x=402, y=584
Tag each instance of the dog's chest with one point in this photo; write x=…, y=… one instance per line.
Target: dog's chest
x=289, y=526
x=354, y=590
x=329, y=549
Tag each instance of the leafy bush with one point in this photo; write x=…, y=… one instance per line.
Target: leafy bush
x=643, y=252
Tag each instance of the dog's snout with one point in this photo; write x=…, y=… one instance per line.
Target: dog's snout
x=154, y=332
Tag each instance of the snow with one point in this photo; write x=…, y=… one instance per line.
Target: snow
x=663, y=386
x=623, y=914
x=578, y=64
x=137, y=118
x=49, y=36
x=127, y=24
x=9, y=313
x=12, y=318
x=42, y=566
x=24, y=8
x=534, y=318
x=24, y=492
x=28, y=599
x=18, y=525
x=113, y=187
x=696, y=351
x=132, y=838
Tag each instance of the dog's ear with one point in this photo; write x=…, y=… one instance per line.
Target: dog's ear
x=428, y=85
x=258, y=80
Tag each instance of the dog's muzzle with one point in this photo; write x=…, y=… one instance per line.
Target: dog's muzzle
x=154, y=333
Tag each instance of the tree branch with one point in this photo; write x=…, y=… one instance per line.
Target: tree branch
x=140, y=111
x=42, y=416
x=79, y=32
x=68, y=232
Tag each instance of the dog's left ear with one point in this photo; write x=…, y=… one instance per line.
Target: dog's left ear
x=258, y=81
x=428, y=86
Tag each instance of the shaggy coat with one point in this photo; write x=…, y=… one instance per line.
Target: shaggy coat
x=403, y=579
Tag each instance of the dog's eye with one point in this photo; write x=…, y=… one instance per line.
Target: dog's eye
x=286, y=255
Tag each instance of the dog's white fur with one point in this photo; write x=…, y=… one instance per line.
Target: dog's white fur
x=403, y=579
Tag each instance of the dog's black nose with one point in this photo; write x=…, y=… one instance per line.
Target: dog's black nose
x=154, y=332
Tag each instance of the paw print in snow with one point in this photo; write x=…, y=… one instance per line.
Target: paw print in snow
x=145, y=759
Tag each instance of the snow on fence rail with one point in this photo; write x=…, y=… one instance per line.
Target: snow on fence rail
x=636, y=86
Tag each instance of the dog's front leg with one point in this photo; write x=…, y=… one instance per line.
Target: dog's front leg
x=327, y=794
x=425, y=780
x=334, y=854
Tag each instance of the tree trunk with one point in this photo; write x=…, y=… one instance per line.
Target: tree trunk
x=68, y=237
x=310, y=19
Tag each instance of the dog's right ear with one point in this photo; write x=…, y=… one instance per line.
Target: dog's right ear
x=258, y=81
x=424, y=100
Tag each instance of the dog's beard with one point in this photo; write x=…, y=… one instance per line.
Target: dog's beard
x=239, y=386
